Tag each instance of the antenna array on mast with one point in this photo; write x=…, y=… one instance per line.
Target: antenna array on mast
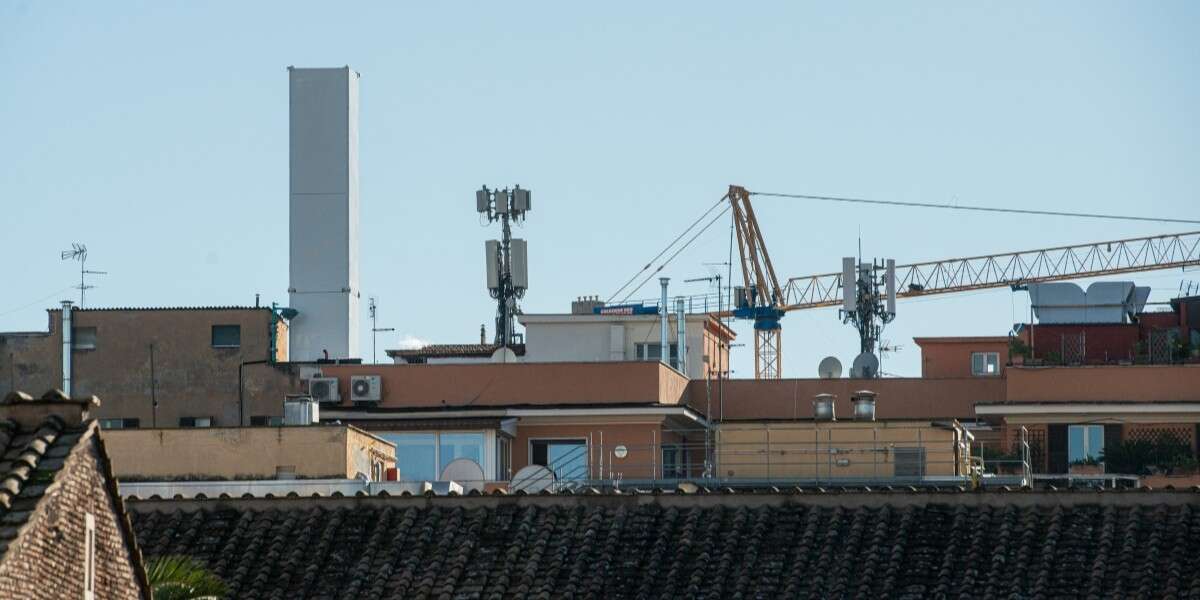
x=79, y=252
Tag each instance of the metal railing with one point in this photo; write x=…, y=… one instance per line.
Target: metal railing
x=1004, y=460
x=770, y=455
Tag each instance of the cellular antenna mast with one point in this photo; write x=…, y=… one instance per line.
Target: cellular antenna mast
x=375, y=328
x=868, y=303
x=79, y=252
x=507, y=258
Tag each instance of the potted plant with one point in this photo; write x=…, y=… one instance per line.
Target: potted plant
x=1018, y=350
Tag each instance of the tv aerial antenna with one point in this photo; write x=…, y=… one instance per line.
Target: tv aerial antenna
x=374, y=328
x=79, y=252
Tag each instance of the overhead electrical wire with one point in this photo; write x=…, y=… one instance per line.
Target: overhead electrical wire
x=677, y=252
x=665, y=250
x=39, y=300
x=1020, y=211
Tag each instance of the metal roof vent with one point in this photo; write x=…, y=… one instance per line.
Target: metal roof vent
x=864, y=405
x=823, y=407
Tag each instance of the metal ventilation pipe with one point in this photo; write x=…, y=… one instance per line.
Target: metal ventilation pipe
x=664, y=353
x=67, y=333
x=864, y=405
x=681, y=334
x=823, y=407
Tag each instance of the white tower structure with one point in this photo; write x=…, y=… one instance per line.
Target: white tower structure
x=323, y=213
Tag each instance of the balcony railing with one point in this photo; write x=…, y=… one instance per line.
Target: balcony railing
x=779, y=456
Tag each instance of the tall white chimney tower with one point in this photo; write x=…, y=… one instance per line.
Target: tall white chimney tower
x=323, y=213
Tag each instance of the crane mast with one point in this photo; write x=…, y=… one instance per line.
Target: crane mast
x=760, y=298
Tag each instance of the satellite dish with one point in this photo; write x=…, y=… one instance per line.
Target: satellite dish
x=533, y=478
x=866, y=366
x=830, y=368
x=504, y=355
x=464, y=472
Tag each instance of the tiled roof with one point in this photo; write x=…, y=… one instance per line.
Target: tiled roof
x=33, y=451
x=29, y=459
x=455, y=351
x=1018, y=545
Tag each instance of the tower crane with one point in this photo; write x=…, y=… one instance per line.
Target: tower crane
x=765, y=301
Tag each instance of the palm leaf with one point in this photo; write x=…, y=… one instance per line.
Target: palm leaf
x=181, y=578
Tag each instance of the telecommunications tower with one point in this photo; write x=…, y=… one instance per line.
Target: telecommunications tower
x=868, y=303
x=507, y=258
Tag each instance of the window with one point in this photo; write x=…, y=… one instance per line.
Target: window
x=120, y=423
x=654, y=352
x=195, y=421
x=453, y=446
x=567, y=458
x=503, y=458
x=226, y=336
x=416, y=455
x=985, y=364
x=265, y=421
x=673, y=466
x=89, y=556
x=83, y=338
x=1084, y=442
x=423, y=456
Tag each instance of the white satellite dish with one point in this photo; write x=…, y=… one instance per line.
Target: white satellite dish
x=464, y=472
x=504, y=355
x=830, y=368
x=531, y=479
x=866, y=366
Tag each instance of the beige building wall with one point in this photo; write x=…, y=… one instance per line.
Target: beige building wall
x=605, y=338
x=809, y=449
x=317, y=452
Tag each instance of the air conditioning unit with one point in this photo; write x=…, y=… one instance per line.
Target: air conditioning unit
x=366, y=388
x=324, y=389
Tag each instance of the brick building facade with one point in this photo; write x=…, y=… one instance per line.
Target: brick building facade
x=164, y=367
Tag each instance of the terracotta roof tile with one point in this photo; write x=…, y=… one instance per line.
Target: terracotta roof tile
x=501, y=548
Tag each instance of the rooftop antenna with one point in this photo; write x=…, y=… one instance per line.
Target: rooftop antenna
x=374, y=328
x=868, y=303
x=79, y=252
x=507, y=258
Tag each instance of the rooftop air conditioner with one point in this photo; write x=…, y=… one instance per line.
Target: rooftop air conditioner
x=324, y=389
x=366, y=388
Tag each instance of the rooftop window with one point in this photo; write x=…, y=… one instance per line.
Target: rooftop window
x=83, y=338
x=226, y=336
x=985, y=364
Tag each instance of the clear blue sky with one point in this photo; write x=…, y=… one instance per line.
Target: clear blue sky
x=156, y=133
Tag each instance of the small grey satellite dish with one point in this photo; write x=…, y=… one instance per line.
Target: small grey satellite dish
x=464, y=472
x=830, y=368
x=504, y=355
x=531, y=479
x=866, y=366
